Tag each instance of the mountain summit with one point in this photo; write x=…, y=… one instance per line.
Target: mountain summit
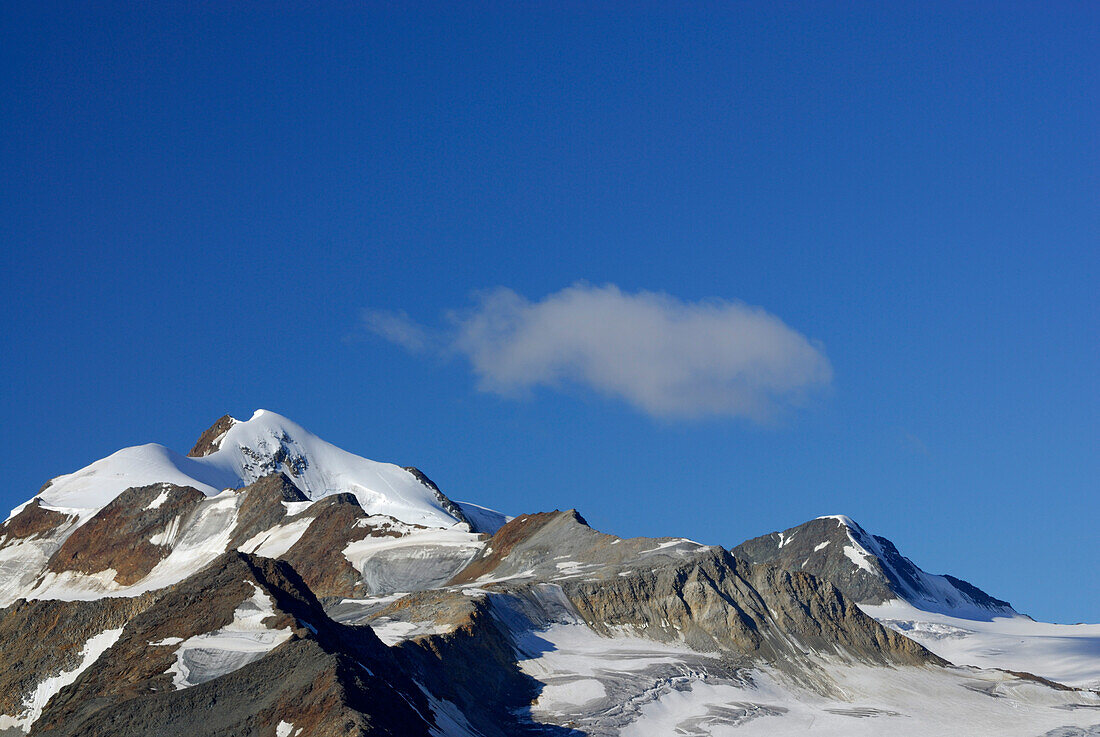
x=869, y=569
x=233, y=454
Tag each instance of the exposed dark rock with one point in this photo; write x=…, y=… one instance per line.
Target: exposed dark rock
x=262, y=507
x=818, y=547
x=299, y=683
x=209, y=441
x=318, y=555
x=821, y=542
x=972, y=591
x=473, y=666
x=448, y=506
x=677, y=591
x=119, y=536
x=32, y=520
x=42, y=638
x=323, y=679
x=245, y=645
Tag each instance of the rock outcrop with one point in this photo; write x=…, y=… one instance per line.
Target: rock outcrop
x=130, y=535
x=210, y=440
x=320, y=676
x=674, y=590
x=867, y=568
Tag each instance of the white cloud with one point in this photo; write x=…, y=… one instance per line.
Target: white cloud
x=396, y=327
x=665, y=357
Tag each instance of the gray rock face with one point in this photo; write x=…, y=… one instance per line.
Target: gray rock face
x=867, y=568
x=675, y=590
x=262, y=507
x=817, y=547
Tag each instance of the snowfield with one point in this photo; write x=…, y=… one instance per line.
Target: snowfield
x=639, y=688
x=1066, y=653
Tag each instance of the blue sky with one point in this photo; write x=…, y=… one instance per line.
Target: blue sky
x=208, y=210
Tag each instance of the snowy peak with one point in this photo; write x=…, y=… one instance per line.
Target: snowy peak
x=869, y=568
x=234, y=453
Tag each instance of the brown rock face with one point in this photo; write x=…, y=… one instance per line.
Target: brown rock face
x=208, y=441
x=449, y=506
x=318, y=555
x=119, y=536
x=262, y=507
x=202, y=603
x=32, y=520
x=328, y=679
x=42, y=638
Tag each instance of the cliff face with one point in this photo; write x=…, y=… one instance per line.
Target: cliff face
x=126, y=538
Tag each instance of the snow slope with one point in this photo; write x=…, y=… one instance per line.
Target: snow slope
x=264, y=444
x=1066, y=653
x=636, y=687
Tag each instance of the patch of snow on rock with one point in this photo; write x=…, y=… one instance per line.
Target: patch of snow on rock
x=36, y=701
x=246, y=639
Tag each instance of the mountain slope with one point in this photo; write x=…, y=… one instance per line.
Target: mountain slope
x=868, y=568
x=244, y=643
x=952, y=618
x=146, y=517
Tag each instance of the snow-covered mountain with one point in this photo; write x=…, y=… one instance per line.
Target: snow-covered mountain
x=233, y=454
x=147, y=517
x=269, y=583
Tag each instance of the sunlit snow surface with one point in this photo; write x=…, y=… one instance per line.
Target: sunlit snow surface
x=1068, y=654
x=482, y=518
x=245, y=453
x=286, y=729
x=638, y=688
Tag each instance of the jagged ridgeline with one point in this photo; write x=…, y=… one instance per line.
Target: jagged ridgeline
x=269, y=583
